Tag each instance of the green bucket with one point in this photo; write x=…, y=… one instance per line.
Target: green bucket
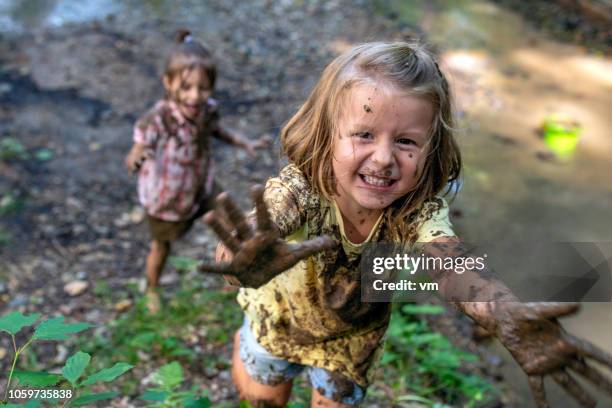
x=561, y=134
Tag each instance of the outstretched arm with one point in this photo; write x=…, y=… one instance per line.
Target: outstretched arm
x=236, y=139
x=259, y=252
x=530, y=331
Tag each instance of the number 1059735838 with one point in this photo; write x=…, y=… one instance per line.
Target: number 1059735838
x=40, y=394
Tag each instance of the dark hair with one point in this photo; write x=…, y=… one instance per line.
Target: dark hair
x=189, y=54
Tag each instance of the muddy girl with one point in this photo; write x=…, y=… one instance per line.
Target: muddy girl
x=371, y=153
x=172, y=153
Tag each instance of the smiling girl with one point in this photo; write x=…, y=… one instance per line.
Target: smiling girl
x=172, y=151
x=370, y=151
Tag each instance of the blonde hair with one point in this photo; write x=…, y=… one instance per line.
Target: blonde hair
x=188, y=54
x=307, y=138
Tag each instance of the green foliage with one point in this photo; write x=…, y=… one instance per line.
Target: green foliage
x=36, y=379
x=193, y=313
x=75, y=366
x=56, y=329
x=5, y=237
x=108, y=374
x=11, y=148
x=167, y=394
x=12, y=323
x=183, y=263
x=9, y=203
x=425, y=366
x=87, y=399
x=44, y=154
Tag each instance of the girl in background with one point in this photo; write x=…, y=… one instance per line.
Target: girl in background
x=172, y=152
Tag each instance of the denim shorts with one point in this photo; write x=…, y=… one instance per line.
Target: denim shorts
x=267, y=369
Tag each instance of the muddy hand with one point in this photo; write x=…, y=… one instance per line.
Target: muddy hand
x=259, y=253
x=539, y=344
x=136, y=158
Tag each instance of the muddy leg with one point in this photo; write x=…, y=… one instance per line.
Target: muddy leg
x=258, y=395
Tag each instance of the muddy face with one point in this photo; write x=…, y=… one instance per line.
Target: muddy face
x=189, y=89
x=382, y=147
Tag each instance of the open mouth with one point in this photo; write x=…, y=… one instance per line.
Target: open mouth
x=376, y=181
x=191, y=108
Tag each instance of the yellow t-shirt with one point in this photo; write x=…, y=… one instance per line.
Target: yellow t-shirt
x=312, y=313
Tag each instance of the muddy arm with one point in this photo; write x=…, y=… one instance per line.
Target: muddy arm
x=258, y=252
x=530, y=331
x=236, y=139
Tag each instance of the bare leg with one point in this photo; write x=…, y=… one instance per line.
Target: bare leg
x=156, y=261
x=155, y=265
x=258, y=395
x=319, y=401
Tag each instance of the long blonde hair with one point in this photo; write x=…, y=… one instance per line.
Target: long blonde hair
x=307, y=138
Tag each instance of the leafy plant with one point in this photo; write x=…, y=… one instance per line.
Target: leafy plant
x=9, y=203
x=430, y=367
x=167, y=394
x=55, y=329
x=11, y=148
x=194, y=313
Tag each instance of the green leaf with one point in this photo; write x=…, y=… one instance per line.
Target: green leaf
x=191, y=402
x=422, y=309
x=153, y=395
x=56, y=329
x=74, y=367
x=169, y=375
x=43, y=154
x=14, y=322
x=108, y=374
x=183, y=263
x=91, y=398
x=29, y=404
x=36, y=379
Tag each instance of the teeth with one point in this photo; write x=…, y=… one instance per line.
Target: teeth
x=377, y=181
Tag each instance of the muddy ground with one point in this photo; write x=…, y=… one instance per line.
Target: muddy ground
x=76, y=90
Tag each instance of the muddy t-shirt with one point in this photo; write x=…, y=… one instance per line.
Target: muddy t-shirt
x=312, y=314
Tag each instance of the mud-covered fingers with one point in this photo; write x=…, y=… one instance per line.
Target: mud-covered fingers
x=261, y=209
x=586, y=349
x=221, y=269
x=149, y=153
x=144, y=156
x=224, y=235
x=305, y=249
x=536, y=383
x=551, y=310
x=594, y=376
x=235, y=215
x=574, y=389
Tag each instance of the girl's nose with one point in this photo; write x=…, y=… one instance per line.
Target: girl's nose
x=383, y=154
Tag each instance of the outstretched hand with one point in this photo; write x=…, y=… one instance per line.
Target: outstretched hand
x=259, y=252
x=539, y=344
x=137, y=156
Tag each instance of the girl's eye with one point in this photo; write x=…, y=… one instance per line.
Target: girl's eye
x=364, y=135
x=406, y=141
